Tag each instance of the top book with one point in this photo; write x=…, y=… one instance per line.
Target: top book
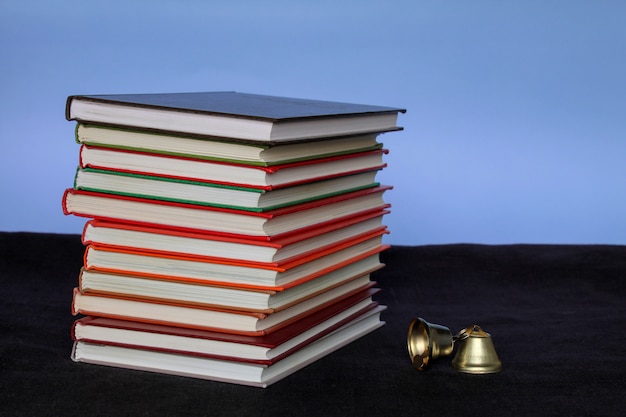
x=233, y=115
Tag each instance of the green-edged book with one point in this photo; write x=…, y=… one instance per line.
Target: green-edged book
x=217, y=195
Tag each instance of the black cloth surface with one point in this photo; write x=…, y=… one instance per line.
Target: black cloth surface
x=556, y=314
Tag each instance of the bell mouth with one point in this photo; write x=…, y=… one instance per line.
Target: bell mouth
x=418, y=344
x=427, y=341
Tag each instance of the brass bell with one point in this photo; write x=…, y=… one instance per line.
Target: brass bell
x=427, y=341
x=476, y=353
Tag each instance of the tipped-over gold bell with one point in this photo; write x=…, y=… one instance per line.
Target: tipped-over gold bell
x=427, y=341
x=476, y=353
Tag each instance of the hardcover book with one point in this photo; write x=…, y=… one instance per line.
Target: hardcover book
x=214, y=149
x=229, y=272
x=276, y=252
x=217, y=195
x=265, y=349
x=261, y=225
x=228, y=114
x=209, y=318
x=222, y=296
x=238, y=372
x=234, y=174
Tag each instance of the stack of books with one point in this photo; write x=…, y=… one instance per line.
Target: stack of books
x=230, y=236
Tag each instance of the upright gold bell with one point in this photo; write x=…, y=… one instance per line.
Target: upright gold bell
x=427, y=341
x=476, y=353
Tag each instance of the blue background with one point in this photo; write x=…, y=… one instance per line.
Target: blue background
x=515, y=130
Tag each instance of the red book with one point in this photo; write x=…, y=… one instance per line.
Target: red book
x=222, y=221
x=281, y=266
x=230, y=173
x=207, y=318
x=265, y=349
x=277, y=251
x=340, y=281
x=227, y=370
x=228, y=272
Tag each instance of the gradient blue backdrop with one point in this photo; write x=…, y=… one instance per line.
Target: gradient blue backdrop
x=515, y=131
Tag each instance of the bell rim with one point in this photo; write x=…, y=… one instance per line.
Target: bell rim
x=418, y=325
